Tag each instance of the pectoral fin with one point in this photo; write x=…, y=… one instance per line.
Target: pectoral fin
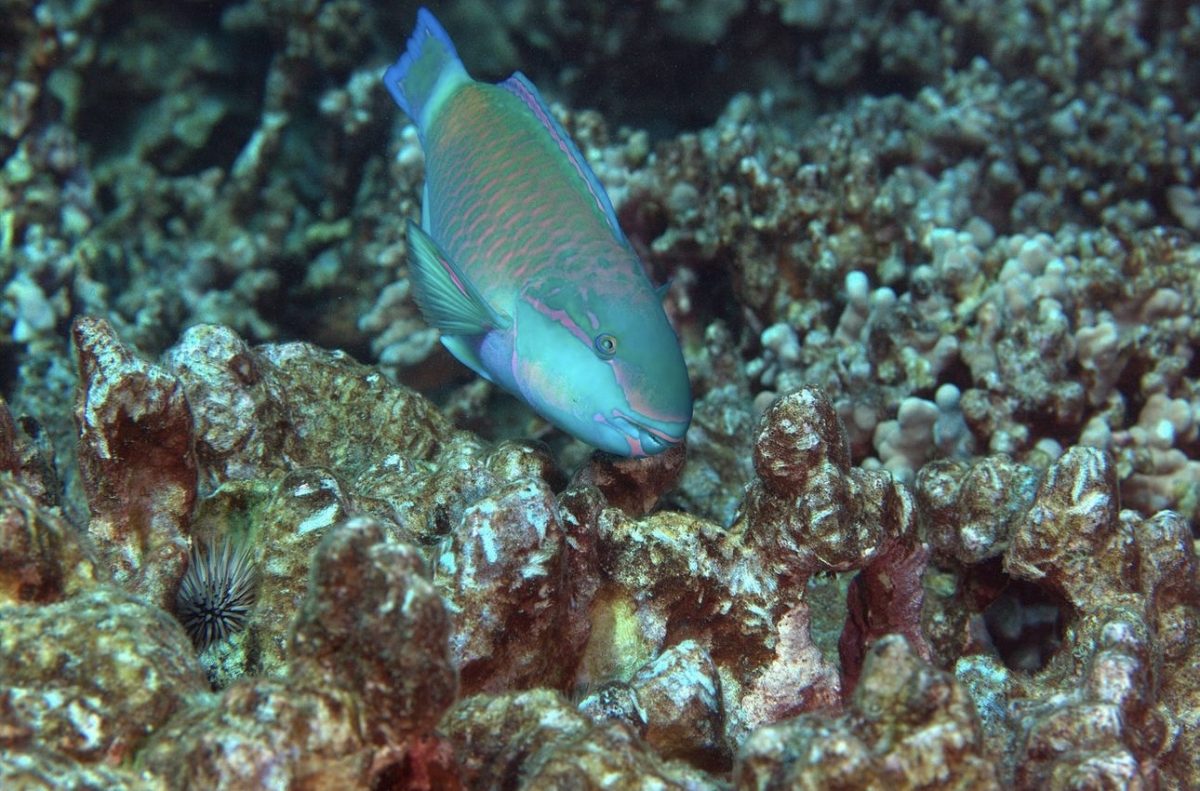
x=447, y=298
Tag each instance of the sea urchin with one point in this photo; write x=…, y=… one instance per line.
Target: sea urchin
x=216, y=593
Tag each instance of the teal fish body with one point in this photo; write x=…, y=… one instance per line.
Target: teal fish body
x=521, y=264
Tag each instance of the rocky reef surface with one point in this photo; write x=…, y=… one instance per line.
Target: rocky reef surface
x=935, y=270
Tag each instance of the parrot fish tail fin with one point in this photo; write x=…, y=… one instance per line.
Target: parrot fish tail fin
x=427, y=73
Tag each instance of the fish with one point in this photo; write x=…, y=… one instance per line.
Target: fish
x=521, y=264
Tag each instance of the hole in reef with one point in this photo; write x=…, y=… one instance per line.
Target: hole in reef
x=712, y=298
x=150, y=55
x=956, y=373
x=9, y=366
x=1025, y=624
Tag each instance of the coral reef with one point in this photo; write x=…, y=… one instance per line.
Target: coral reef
x=907, y=724
x=935, y=270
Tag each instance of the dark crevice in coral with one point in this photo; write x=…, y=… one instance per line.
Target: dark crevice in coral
x=879, y=83
x=1192, y=371
x=182, y=16
x=1055, y=415
x=971, y=43
x=983, y=583
x=713, y=300
x=293, y=305
x=225, y=142
x=136, y=83
x=301, y=158
x=956, y=373
x=1129, y=387
x=684, y=92
x=109, y=113
x=660, y=83
x=1026, y=625
x=9, y=365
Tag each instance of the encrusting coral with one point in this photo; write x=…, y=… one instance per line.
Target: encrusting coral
x=524, y=588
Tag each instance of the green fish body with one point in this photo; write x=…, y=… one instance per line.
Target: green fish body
x=522, y=266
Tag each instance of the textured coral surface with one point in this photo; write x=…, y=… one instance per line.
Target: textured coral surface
x=935, y=270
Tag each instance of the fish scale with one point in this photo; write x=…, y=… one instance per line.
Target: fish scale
x=497, y=175
x=521, y=264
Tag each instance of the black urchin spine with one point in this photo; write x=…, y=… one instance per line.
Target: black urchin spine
x=217, y=592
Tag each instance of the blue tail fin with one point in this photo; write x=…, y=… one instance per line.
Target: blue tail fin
x=427, y=72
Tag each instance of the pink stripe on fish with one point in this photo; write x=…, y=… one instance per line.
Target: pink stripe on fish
x=560, y=316
x=664, y=436
x=638, y=405
x=634, y=443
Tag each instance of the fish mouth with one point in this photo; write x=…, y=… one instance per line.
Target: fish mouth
x=644, y=439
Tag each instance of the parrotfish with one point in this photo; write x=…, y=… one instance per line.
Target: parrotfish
x=520, y=263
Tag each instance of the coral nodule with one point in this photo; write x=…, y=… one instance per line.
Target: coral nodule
x=217, y=592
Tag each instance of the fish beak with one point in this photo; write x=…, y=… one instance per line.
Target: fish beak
x=652, y=443
x=644, y=439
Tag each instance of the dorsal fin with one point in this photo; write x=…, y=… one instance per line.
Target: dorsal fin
x=520, y=86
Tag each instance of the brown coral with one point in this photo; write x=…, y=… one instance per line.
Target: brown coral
x=136, y=459
x=908, y=726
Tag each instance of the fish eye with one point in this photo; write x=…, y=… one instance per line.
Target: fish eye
x=605, y=345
